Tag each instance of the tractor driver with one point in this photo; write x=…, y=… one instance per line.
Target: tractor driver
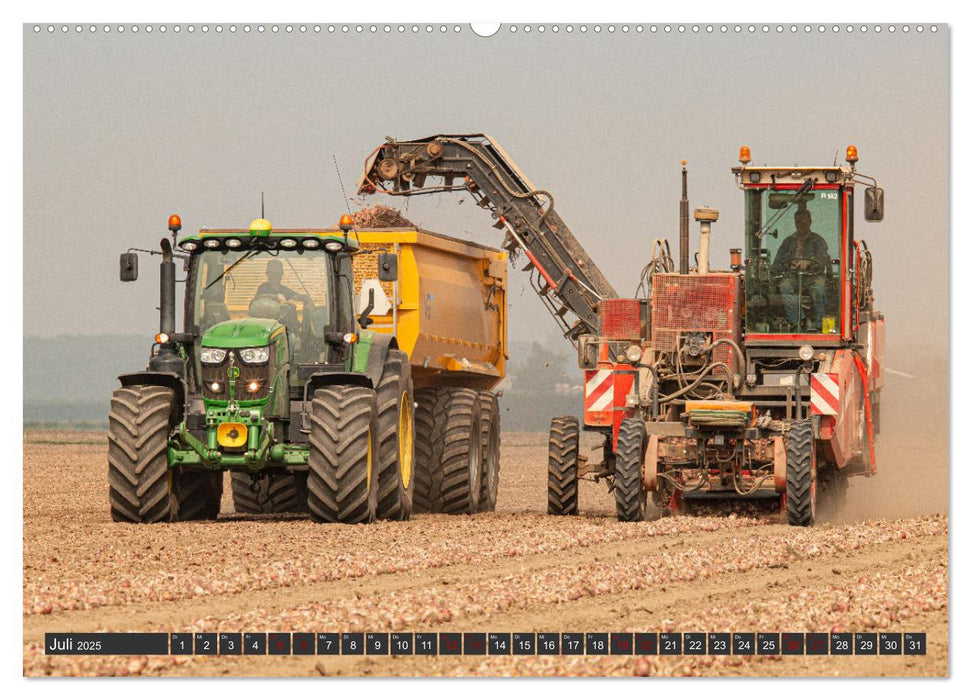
x=274, y=286
x=803, y=253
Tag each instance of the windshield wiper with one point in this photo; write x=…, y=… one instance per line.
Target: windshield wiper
x=250, y=254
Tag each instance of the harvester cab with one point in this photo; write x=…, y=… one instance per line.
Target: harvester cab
x=273, y=378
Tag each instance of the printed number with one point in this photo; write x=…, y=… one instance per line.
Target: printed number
x=866, y=644
x=573, y=644
x=328, y=642
x=377, y=645
x=842, y=645
x=549, y=644
x=426, y=644
x=205, y=644
x=352, y=644
x=890, y=644
x=403, y=645
x=669, y=644
x=231, y=645
x=695, y=645
x=828, y=195
x=598, y=644
x=720, y=645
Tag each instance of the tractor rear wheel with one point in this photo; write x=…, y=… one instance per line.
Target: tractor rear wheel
x=801, y=474
x=564, y=456
x=490, y=451
x=396, y=439
x=342, y=480
x=138, y=475
x=629, y=491
x=283, y=492
x=197, y=493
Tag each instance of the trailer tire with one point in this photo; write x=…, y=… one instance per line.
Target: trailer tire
x=629, y=491
x=448, y=451
x=801, y=474
x=284, y=492
x=396, y=439
x=342, y=479
x=139, y=485
x=491, y=440
x=429, y=419
x=564, y=456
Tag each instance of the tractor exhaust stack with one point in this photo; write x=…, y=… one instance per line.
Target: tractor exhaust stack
x=705, y=216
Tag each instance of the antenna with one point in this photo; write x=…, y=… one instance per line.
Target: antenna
x=836, y=157
x=347, y=206
x=263, y=205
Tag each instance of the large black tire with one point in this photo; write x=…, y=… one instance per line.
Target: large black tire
x=448, y=451
x=396, y=438
x=801, y=474
x=197, y=494
x=491, y=440
x=272, y=492
x=629, y=492
x=342, y=480
x=429, y=419
x=564, y=455
x=138, y=475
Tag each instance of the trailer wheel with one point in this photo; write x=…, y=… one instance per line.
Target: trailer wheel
x=342, y=480
x=198, y=493
x=629, y=490
x=139, y=488
x=448, y=450
x=489, y=403
x=429, y=421
x=801, y=474
x=396, y=439
x=564, y=454
x=284, y=492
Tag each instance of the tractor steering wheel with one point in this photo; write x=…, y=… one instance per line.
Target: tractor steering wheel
x=812, y=267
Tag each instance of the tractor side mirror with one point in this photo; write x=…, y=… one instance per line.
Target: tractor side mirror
x=388, y=267
x=873, y=204
x=129, y=267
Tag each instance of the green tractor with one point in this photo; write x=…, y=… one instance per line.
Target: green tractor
x=273, y=379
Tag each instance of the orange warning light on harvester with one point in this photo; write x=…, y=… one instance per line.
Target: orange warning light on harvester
x=347, y=223
x=851, y=155
x=175, y=222
x=744, y=155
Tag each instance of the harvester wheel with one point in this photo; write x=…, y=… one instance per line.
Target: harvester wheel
x=138, y=476
x=801, y=474
x=342, y=481
x=564, y=454
x=448, y=450
x=396, y=438
x=490, y=451
x=283, y=492
x=197, y=493
x=629, y=490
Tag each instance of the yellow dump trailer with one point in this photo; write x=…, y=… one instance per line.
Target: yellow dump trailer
x=447, y=310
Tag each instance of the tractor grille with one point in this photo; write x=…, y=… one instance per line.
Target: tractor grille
x=696, y=303
x=218, y=374
x=620, y=319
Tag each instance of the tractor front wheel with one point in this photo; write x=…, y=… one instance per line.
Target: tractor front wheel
x=396, y=439
x=342, y=481
x=801, y=474
x=564, y=457
x=139, y=487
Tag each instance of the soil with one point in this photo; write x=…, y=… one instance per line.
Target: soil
x=515, y=570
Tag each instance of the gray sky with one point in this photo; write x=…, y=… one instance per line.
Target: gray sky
x=122, y=130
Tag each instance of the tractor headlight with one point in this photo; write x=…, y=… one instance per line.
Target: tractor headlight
x=634, y=353
x=334, y=246
x=806, y=353
x=254, y=356
x=213, y=356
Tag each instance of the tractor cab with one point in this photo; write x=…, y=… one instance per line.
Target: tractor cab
x=800, y=254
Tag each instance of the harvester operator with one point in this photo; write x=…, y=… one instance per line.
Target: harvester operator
x=803, y=253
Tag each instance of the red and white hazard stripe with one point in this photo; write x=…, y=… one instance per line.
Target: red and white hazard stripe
x=598, y=394
x=824, y=393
